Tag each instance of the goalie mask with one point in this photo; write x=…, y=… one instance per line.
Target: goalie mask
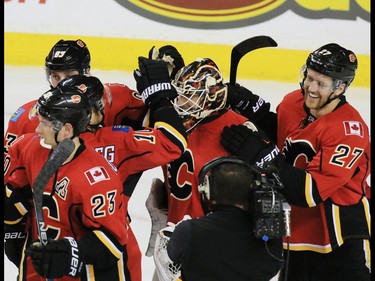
x=201, y=90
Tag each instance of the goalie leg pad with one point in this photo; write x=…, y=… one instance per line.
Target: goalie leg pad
x=158, y=212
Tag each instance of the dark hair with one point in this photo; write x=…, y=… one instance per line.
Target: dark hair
x=231, y=183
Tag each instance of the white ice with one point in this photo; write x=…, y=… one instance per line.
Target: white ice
x=23, y=84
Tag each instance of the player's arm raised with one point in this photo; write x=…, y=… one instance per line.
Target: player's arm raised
x=154, y=84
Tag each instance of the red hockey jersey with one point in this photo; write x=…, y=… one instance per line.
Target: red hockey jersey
x=121, y=102
x=130, y=151
x=84, y=195
x=181, y=175
x=334, y=150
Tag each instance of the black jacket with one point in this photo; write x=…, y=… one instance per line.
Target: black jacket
x=221, y=246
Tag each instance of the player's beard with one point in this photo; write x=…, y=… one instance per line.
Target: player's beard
x=314, y=101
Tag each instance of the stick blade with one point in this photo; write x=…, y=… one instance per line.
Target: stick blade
x=245, y=47
x=251, y=44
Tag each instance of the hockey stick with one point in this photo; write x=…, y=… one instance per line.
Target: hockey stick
x=54, y=161
x=245, y=47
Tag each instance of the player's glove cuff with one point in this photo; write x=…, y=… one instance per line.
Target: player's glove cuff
x=251, y=145
x=57, y=258
x=153, y=81
x=248, y=104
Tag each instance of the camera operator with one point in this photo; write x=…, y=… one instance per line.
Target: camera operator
x=221, y=245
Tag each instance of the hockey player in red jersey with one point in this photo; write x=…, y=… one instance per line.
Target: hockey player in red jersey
x=128, y=150
x=201, y=103
x=72, y=57
x=325, y=166
x=133, y=151
x=82, y=201
x=121, y=105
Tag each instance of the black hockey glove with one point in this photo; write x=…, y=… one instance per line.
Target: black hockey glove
x=248, y=104
x=57, y=258
x=251, y=145
x=170, y=55
x=272, y=170
x=153, y=81
x=14, y=239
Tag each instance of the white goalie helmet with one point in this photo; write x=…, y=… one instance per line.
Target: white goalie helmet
x=200, y=88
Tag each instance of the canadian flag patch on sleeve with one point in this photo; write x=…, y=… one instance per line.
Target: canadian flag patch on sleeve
x=97, y=174
x=353, y=128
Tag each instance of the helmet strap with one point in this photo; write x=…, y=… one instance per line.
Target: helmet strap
x=337, y=83
x=56, y=133
x=85, y=71
x=329, y=100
